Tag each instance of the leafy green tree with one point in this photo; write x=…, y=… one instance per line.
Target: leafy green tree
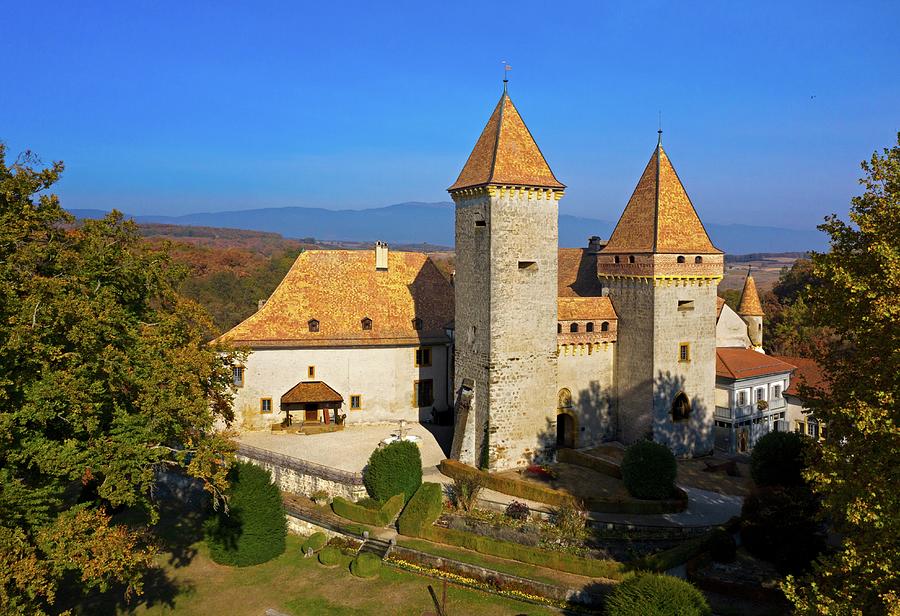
x=858, y=475
x=394, y=469
x=105, y=379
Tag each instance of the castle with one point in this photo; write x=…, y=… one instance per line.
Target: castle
x=533, y=347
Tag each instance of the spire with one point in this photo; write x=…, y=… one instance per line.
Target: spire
x=506, y=154
x=660, y=217
x=750, y=306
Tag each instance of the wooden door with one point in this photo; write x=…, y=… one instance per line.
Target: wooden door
x=312, y=412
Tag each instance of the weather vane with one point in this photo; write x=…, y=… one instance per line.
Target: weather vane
x=506, y=69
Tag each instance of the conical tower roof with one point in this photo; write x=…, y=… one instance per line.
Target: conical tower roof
x=660, y=217
x=506, y=154
x=750, y=306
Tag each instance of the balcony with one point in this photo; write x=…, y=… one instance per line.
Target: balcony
x=748, y=410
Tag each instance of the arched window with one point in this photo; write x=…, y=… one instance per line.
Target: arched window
x=680, y=258
x=573, y=328
x=564, y=399
x=616, y=259
x=589, y=327
x=681, y=407
x=313, y=325
x=698, y=259
x=559, y=328
x=367, y=323
x=604, y=327
x=631, y=258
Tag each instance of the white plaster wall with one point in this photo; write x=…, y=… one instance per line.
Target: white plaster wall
x=731, y=330
x=589, y=377
x=383, y=376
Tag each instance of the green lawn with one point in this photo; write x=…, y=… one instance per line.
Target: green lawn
x=299, y=586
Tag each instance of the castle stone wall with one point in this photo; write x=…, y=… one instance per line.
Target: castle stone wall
x=587, y=372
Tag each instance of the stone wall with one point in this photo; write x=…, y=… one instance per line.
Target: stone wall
x=587, y=373
x=731, y=331
x=304, y=478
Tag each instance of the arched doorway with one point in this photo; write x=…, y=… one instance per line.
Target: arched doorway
x=681, y=407
x=565, y=431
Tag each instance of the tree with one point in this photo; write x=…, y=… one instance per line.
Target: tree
x=394, y=469
x=857, y=473
x=105, y=379
x=779, y=459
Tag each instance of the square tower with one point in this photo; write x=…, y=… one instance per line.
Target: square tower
x=662, y=272
x=506, y=286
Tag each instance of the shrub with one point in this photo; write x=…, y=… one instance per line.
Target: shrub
x=648, y=470
x=254, y=528
x=780, y=526
x=465, y=491
x=422, y=509
x=569, y=520
x=518, y=511
x=371, y=512
x=365, y=565
x=519, y=488
x=315, y=541
x=650, y=594
x=721, y=546
x=330, y=556
x=779, y=459
x=393, y=469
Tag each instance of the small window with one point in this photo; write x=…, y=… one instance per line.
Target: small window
x=742, y=398
x=777, y=391
x=310, y=372
x=480, y=223
x=616, y=259
x=417, y=324
x=559, y=328
x=680, y=258
x=313, y=325
x=423, y=356
x=812, y=429
x=758, y=394
x=265, y=405
x=573, y=328
x=367, y=324
x=604, y=327
x=589, y=327
x=800, y=428
x=698, y=259
x=355, y=402
x=684, y=352
x=237, y=376
x=529, y=266
x=685, y=304
x=424, y=393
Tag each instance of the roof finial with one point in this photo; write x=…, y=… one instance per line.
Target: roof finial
x=659, y=132
x=506, y=69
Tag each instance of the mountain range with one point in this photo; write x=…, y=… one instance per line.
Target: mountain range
x=432, y=223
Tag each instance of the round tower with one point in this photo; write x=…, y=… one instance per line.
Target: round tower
x=750, y=310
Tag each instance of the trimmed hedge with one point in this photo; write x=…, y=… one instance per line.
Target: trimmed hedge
x=650, y=594
x=649, y=470
x=330, y=556
x=422, y=509
x=779, y=459
x=393, y=469
x=382, y=516
x=667, y=559
x=573, y=456
x=316, y=541
x=254, y=529
x=365, y=565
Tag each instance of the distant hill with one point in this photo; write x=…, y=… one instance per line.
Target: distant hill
x=419, y=223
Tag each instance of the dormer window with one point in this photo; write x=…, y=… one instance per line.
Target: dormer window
x=680, y=258
x=573, y=328
x=367, y=324
x=616, y=259
x=417, y=323
x=604, y=327
x=589, y=327
x=313, y=325
x=698, y=259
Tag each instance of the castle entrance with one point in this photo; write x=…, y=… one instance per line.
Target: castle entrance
x=565, y=431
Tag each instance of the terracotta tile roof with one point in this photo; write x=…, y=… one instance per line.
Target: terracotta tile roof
x=577, y=273
x=580, y=308
x=506, y=154
x=720, y=301
x=307, y=392
x=659, y=217
x=339, y=288
x=808, y=373
x=738, y=363
x=750, y=305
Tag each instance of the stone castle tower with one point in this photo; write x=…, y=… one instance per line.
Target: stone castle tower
x=750, y=310
x=506, y=287
x=662, y=271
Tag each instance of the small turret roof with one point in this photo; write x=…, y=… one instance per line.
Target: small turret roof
x=660, y=217
x=506, y=154
x=750, y=306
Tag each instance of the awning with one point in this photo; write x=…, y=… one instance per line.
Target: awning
x=312, y=392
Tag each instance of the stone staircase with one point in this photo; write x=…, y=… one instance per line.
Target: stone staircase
x=378, y=547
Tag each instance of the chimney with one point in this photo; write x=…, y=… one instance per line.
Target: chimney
x=595, y=244
x=381, y=256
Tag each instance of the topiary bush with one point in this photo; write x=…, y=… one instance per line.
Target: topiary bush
x=253, y=530
x=780, y=525
x=722, y=547
x=779, y=459
x=365, y=565
x=650, y=594
x=315, y=541
x=648, y=470
x=422, y=510
x=393, y=469
x=330, y=556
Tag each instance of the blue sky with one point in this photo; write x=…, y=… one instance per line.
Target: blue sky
x=176, y=107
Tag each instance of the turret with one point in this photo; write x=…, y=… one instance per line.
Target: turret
x=750, y=310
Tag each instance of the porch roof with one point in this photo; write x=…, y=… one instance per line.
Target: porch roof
x=311, y=392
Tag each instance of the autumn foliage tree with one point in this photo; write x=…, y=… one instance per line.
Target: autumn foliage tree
x=105, y=379
x=858, y=295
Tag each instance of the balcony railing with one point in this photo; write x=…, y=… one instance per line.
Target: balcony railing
x=748, y=410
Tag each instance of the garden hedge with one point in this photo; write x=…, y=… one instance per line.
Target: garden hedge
x=382, y=516
x=422, y=509
x=365, y=565
x=649, y=470
x=779, y=459
x=316, y=541
x=573, y=456
x=393, y=469
x=650, y=594
x=254, y=528
x=330, y=556
x=680, y=554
